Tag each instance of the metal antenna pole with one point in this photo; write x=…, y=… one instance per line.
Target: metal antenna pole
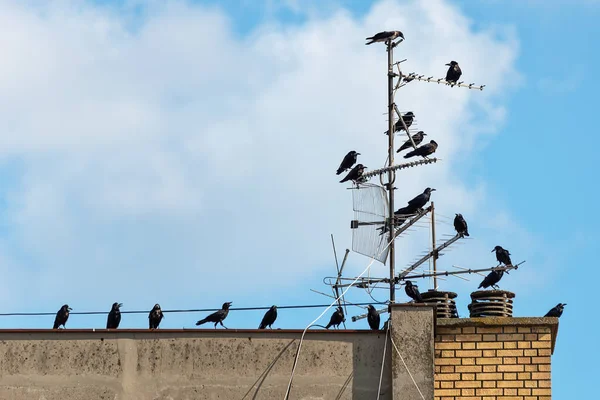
x=391, y=174
x=433, y=245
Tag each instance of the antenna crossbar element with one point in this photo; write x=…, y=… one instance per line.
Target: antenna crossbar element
x=382, y=171
x=414, y=77
x=365, y=282
x=354, y=224
x=363, y=316
x=466, y=271
x=433, y=253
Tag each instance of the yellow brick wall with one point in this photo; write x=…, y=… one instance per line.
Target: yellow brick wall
x=492, y=363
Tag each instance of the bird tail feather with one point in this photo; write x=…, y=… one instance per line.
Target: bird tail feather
x=409, y=154
x=202, y=321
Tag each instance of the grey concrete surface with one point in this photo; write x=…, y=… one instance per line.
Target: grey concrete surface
x=412, y=333
x=192, y=364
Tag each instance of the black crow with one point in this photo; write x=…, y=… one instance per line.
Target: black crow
x=422, y=199
x=355, y=173
x=454, y=72
x=408, y=120
x=217, y=317
x=62, y=316
x=373, y=318
x=502, y=255
x=336, y=318
x=491, y=280
x=423, y=151
x=385, y=36
x=461, y=225
x=155, y=316
x=114, y=316
x=556, y=311
x=268, y=319
x=402, y=214
x=412, y=291
x=417, y=138
x=348, y=162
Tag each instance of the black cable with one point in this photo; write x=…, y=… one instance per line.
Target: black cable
x=35, y=314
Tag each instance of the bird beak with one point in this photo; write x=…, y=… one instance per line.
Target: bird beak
x=432, y=190
x=69, y=308
x=424, y=134
x=358, y=154
x=120, y=304
x=492, y=250
x=448, y=64
x=564, y=304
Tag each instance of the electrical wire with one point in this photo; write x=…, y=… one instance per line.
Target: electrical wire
x=36, y=314
x=387, y=332
x=289, y=387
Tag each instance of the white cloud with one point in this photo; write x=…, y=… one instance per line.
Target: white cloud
x=175, y=153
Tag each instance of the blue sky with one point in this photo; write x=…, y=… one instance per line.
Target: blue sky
x=184, y=153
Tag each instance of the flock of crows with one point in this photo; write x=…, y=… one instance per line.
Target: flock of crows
x=415, y=205
x=156, y=315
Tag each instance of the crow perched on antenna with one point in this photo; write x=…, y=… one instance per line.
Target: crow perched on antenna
x=400, y=216
x=114, y=316
x=155, y=316
x=373, y=318
x=269, y=318
x=336, y=318
x=403, y=213
x=347, y=162
x=62, y=316
x=502, y=255
x=218, y=316
x=419, y=202
x=423, y=151
x=412, y=291
x=454, y=72
x=417, y=138
x=556, y=311
x=355, y=173
x=408, y=120
x=384, y=36
x=491, y=280
x=461, y=225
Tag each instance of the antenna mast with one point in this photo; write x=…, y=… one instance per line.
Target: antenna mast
x=374, y=207
x=391, y=173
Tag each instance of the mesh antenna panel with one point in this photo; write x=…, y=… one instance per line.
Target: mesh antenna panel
x=370, y=206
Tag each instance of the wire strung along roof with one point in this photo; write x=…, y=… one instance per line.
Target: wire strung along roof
x=370, y=205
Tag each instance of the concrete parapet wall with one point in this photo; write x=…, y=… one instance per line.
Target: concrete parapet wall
x=191, y=364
